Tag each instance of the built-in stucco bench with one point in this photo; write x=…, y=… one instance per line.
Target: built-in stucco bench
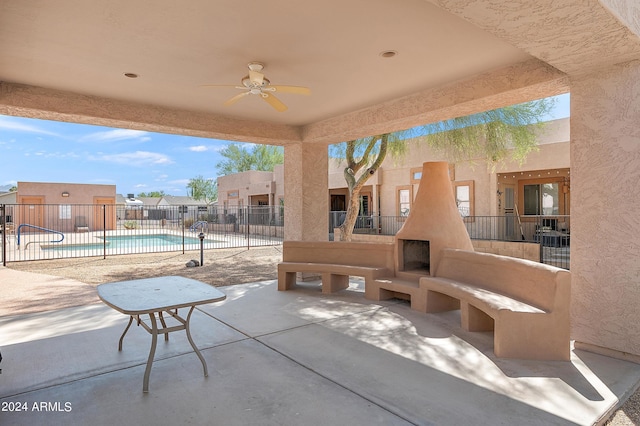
x=334, y=277
x=334, y=261
x=525, y=303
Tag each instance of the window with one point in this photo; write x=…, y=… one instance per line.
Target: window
x=65, y=211
x=416, y=175
x=233, y=194
x=404, y=199
x=542, y=199
x=465, y=198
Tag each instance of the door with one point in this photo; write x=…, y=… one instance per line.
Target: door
x=31, y=211
x=508, y=200
x=104, y=214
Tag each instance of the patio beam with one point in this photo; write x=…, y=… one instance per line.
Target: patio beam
x=48, y=104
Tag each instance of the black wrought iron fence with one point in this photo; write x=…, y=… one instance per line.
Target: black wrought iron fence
x=47, y=231
x=551, y=233
x=373, y=224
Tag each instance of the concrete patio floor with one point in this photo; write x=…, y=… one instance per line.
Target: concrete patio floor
x=292, y=358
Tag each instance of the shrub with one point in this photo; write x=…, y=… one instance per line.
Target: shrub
x=131, y=224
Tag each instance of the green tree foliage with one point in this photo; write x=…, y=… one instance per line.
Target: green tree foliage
x=152, y=194
x=490, y=135
x=203, y=189
x=240, y=159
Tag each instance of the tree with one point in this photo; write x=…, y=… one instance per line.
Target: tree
x=490, y=135
x=203, y=189
x=152, y=194
x=363, y=158
x=240, y=159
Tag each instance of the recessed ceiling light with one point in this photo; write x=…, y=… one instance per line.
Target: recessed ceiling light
x=388, y=53
x=131, y=75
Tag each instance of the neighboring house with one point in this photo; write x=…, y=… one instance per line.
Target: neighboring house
x=172, y=207
x=262, y=192
x=8, y=198
x=64, y=206
x=541, y=185
x=252, y=188
x=167, y=207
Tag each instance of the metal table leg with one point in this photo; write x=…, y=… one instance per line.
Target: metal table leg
x=152, y=351
x=125, y=332
x=193, y=345
x=164, y=326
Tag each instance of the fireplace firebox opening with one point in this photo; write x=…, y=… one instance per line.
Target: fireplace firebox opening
x=415, y=256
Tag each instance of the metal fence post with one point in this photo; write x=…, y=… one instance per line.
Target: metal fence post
x=182, y=209
x=4, y=235
x=104, y=231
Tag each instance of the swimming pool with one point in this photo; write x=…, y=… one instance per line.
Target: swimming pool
x=149, y=240
x=146, y=242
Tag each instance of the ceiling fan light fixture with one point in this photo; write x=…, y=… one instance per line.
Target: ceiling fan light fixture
x=246, y=82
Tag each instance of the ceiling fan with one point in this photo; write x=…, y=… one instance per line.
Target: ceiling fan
x=257, y=84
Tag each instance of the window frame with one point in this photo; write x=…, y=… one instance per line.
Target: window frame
x=472, y=198
x=400, y=188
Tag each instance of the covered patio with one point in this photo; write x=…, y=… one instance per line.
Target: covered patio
x=288, y=358
x=373, y=67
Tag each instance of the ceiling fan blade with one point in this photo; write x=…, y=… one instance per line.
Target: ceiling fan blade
x=236, y=98
x=274, y=102
x=223, y=85
x=298, y=90
x=256, y=77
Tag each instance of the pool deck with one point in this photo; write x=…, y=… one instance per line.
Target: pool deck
x=291, y=358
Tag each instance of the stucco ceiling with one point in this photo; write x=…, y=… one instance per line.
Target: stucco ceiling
x=76, y=52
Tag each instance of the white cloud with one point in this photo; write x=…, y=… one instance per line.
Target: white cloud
x=117, y=135
x=57, y=154
x=199, y=148
x=8, y=123
x=138, y=158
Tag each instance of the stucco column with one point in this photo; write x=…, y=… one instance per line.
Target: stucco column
x=605, y=214
x=306, y=188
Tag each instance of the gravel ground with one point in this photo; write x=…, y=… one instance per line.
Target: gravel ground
x=221, y=268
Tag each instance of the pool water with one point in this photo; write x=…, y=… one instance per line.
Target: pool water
x=151, y=241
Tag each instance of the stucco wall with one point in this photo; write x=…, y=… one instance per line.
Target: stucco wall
x=306, y=193
x=605, y=171
x=553, y=153
x=79, y=193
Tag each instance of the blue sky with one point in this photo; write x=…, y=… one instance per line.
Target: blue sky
x=135, y=161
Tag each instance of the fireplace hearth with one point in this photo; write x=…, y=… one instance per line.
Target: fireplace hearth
x=415, y=256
